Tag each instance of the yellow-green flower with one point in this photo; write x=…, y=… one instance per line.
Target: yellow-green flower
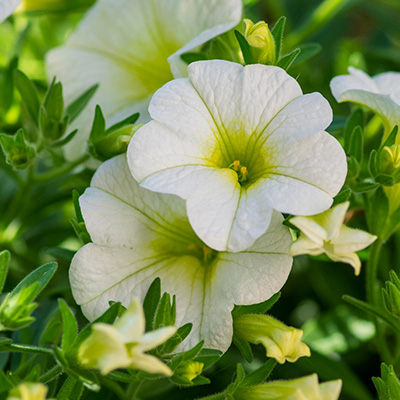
x=123, y=344
x=260, y=39
x=325, y=233
x=28, y=391
x=281, y=342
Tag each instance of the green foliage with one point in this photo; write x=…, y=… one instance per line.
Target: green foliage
x=388, y=387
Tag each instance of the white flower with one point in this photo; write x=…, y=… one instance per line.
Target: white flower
x=380, y=93
x=7, y=7
x=123, y=344
x=325, y=233
x=139, y=235
x=132, y=48
x=28, y=391
x=237, y=142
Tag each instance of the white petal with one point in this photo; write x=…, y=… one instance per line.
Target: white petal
x=330, y=390
x=389, y=83
x=154, y=338
x=304, y=245
x=347, y=258
x=132, y=323
x=304, y=175
x=242, y=100
x=149, y=363
x=356, y=80
x=7, y=7
x=125, y=47
x=350, y=239
x=303, y=116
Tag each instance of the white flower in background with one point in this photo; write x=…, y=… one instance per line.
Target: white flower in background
x=237, y=142
x=123, y=344
x=306, y=388
x=7, y=7
x=28, y=391
x=380, y=93
x=325, y=233
x=132, y=48
x=139, y=235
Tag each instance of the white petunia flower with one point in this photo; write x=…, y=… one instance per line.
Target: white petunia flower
x=123, y=344
x=237, y=142
x=131, y=48
x=325, y=233
x=380, y=93
x=7, y=7
x=139, y=235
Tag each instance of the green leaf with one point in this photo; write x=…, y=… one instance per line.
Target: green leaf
x=5, y=382
x=208, y=357
x=8, y=83
x=343, y=196
x=28, y=94
x=286, y=61
x=166, y=312
x=177, y=339
x=378, y=212
x=308, y=51
x=77, y=206
x=277, y=34
x=365, y=186
x=260, y=308
x=70, y=326
x=244, y=347
x=42, y=275
x=4, y=263
x=78, y=105
x=245, y=47
x=61, y=254
x=356, y=119
x=372, y=163
x=261, y=374
x=385, y=180
x=99, y=125
x=127, y=121
x=190, y=57
x=71, y=389
x=67, y=139
x=391, y=140
x=150, y=303
x=356, y=144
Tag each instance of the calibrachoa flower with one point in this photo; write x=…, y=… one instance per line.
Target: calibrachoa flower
x=139, y=235
x=131, y=48
x=237, y=142
x=7, y=7
x=28, y=391
x=380, y=93
x=281, y=342
x=123, y=344
x=325, y=233
x=306, y=388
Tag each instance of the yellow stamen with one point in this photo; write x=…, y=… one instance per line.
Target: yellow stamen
x=244, y=171
x=236, y=165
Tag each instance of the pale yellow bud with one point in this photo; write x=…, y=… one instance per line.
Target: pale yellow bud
x=260, y=39
x=281, y=342
x=28, y=391
x=190, y=370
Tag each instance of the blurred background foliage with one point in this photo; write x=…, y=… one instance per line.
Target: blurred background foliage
x=35, y=221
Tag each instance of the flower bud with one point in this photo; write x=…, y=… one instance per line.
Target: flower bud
x=296, y=389
x=281, y=342
x=28, y=391
x=389, y=159
x=262, y=43
x=391, y=294
x=16, y=309
x=18, y=153
x=189, y=370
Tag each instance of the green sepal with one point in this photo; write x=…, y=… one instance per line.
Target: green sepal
x=181, y=334
x=260, y=308
x=71, y=389
x=150, y=303
x=190, y=57
x=388, y=387
x=4, y=264
x=378, y=212
x=244, y=348
x=166, y=312
x=353, y=168
x=391, y=139
x=356, y=144
x=277, y=34
x=287, y=60
x=77, y=106
x=261, y=374
x=364, y=186
x=245, y=47
x=66, y=140
x=372, y=163
x=385, y=180
x=341, y=197
x=355, y=120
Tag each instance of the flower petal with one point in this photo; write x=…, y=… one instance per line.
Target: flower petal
x=153, y=339
x=347, y=258
x=7, y=7
x=125, y=47
x=304, y=175
x=350, y=239
x=149, y=363
x=304, y=245
x=389, y=83
x=132, y=323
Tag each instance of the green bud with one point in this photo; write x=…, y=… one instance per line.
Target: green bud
x=189, y=370
x=391, y=294
x=17, y=307
x=261, y=41
x=388, y=387
x=18, y=153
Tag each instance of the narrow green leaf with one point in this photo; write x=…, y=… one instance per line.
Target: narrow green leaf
x=67, y=139
x=127, y=121
x=164, y=314
x=308, y=51
x=277, y=34
x=177, y=339
x=343, y=196
x=208, y=357
x=260, y=308
x=378, y=212
x=261, y=374
x=28, y=94
x=150, y=303
x=391, y=140
x=78, y=105
x=61, y=254
x=356, y=119
x=5, y=382
x=42, y=275
x=244, y=348
x=70, y=326
x=362, y=187
x=385, y=180
x=245, y=47
x=99, y=125
x=4, y=263
x=286, y=61
x=190, y=57
x=372, y=163
x=71, y=389
x=77, y=207
x=356, y=144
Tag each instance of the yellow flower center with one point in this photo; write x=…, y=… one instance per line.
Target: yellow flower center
x=241, y=171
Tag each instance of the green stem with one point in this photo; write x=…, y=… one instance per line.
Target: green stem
x=24, y=348
x=114, y=386
x=61, y=171
x=372, y=271
x=51, y=374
